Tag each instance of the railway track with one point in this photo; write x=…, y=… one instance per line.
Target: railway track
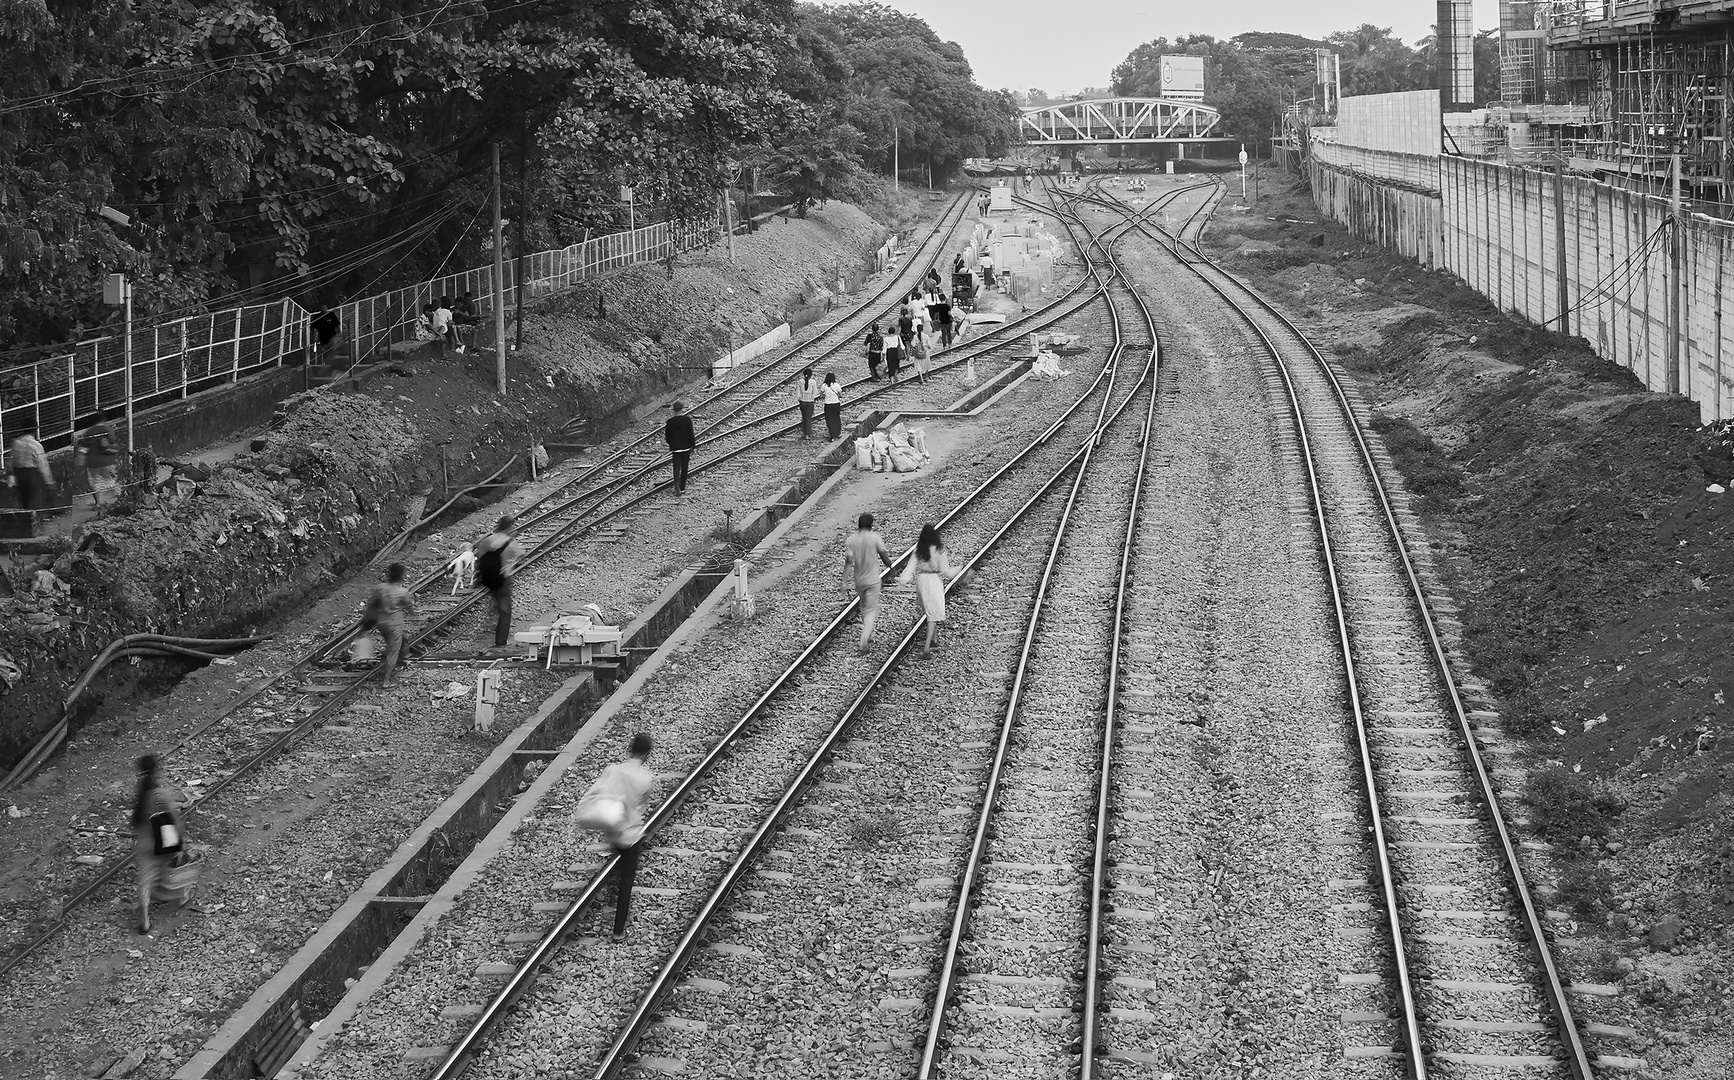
x=1008, y=977
x=316, y=687
x=510, y=1022
x=1459, y=977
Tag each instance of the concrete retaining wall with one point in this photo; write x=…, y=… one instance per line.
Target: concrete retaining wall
x=757, y=347
x=1501, y=229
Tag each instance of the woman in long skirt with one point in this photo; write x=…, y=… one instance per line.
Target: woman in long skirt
x=921, y=348
x=930, y=568
x=833, y=396
x=158, y=841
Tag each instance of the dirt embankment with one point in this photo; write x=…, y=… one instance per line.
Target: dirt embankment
x=1591, y=547
x=259, y=537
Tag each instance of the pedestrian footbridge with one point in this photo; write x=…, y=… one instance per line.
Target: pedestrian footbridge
x=1118, y=120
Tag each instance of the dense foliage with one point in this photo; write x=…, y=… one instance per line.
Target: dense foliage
x=327, y=148
x=1252, y=77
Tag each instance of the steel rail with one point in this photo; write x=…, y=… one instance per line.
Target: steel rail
x=464, y=1051
x=626, y=1040
x=1412, y=1042
x=1577, y=1058
x=948, y=969
x=1105, y=770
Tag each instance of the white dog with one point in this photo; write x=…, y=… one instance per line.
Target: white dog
x=463, y=569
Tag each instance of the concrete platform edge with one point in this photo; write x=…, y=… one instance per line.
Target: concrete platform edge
x=446, y=898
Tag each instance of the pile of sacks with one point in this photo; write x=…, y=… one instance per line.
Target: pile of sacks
x=899, y=450
x=1047, y=366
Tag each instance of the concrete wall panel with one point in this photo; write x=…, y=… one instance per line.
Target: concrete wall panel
x=1501, y=230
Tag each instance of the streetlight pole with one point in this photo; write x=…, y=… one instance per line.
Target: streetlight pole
x=117, y=292
x=499, y=285
x=896, y=138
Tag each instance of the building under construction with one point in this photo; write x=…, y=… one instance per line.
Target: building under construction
x=1617, y=87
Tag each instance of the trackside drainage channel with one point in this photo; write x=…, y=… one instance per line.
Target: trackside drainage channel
x=267, y=1032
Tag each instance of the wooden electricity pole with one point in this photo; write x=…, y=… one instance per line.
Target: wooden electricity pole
x=499, y=286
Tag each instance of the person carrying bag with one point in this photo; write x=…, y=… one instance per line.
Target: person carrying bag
x=614, y=806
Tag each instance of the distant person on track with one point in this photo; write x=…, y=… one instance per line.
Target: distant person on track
x=920, y=351
x=875, y=351
x=614, y=806
x=806, y=395
x=159, y=841
x=941, y=311
x=957, y=265
x=101, y=459
x=833, y=397
x=496, y=561
x=986, y=266
x=863, y=553
x=388, y=609
x=929, y=569
x=29, y=471
x=933, y=281
x=893, y=355
x=681, y=439
x=905, y=326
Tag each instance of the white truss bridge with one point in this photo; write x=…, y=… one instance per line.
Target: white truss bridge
x=1118, y=120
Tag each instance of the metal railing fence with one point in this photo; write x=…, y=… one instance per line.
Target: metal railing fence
x=176, y=358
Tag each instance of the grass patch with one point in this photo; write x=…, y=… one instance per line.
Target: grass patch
x=1585, y=887
x=1564, y=806
x=1427, y=472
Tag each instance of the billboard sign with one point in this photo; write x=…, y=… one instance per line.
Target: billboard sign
x=1183, y=77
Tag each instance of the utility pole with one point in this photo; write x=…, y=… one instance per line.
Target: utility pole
x=1559, y=246
x=523, y=212
x=729, y=221
x=499, y=285
x=1676, y=257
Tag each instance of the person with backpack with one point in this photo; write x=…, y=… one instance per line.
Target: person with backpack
x=101, y=459
x=496, y=559
x=875, y=351
x=159, y=840
x=614, y=807
x=942, y=319
x=388, y=608
x=681, y=439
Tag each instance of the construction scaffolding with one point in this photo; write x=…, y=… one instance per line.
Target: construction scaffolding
x=1658, y=85
x=1530, y=73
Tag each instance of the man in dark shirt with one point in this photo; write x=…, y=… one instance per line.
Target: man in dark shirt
x=681, y=439
x=941, y=312
x=466, y=320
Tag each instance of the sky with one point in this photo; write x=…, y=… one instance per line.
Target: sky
x=1065, y=45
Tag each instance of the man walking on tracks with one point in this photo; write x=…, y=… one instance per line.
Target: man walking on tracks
x=614, y=806
x=681, y=439
x=863, y=553
x=387, y=609
x=496, y=559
